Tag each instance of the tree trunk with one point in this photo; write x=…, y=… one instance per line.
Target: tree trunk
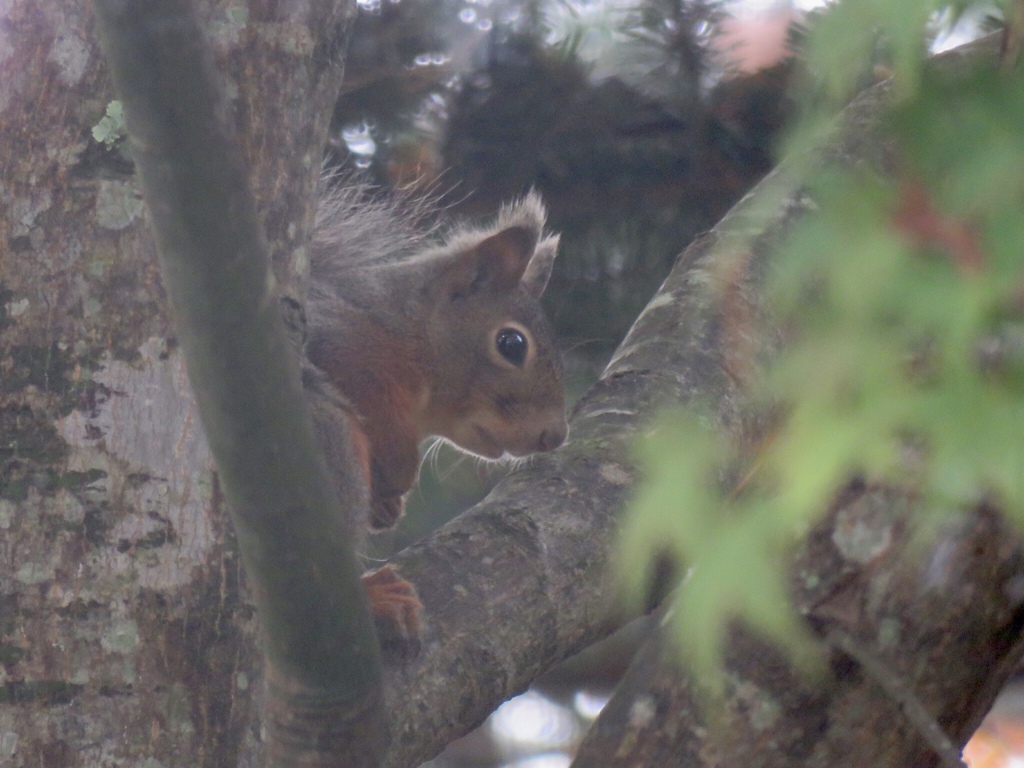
x=126, y=635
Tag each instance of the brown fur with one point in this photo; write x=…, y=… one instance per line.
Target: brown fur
x=407, y=330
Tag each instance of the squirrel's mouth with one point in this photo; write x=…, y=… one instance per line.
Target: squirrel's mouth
x=488, y=447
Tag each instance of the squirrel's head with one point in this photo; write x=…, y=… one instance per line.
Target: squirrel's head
x=498, y=385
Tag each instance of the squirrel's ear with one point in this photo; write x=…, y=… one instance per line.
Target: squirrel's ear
x=535, y=278
x=497, y=262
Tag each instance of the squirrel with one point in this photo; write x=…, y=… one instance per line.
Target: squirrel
x=412, y=336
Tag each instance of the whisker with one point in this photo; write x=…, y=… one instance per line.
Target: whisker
x=424, y=460
x=430, y=456
x=584, y=343
x=458, y=458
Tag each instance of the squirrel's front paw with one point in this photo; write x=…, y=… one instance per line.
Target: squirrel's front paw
x=386, y=511
x=396, y=610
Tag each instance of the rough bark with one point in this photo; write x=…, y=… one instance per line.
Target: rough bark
x=124, y=632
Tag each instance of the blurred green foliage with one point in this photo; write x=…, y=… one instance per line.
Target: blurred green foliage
x=902, y=302
x=732, y=549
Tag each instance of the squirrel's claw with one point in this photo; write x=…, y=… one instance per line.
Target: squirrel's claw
x=396, y=610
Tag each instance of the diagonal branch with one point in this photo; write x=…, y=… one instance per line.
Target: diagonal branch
x=937, y=624
x=520, y=582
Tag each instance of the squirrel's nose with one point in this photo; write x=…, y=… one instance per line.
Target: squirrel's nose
x=552, y=437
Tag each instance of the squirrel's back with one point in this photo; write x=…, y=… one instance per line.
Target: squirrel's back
x=360, y=234
x=353, y=220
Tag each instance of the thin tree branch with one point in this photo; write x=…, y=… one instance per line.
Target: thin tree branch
x=897, y=689
x=323, y=667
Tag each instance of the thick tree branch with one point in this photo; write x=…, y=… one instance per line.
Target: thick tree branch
x=323, y=666
x=945, y=622
x=942, y=628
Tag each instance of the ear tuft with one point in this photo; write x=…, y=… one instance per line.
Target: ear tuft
x=526, y=212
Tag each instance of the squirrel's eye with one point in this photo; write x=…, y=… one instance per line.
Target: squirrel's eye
x=512, y=346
